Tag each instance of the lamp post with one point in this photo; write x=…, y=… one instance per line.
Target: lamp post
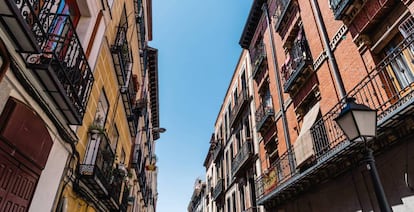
x=358, y=122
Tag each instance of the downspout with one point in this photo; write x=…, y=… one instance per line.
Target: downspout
x=6, y=60
x=279, y=91
x=332, y=61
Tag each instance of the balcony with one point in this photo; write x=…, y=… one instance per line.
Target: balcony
x=258, y=58
x=22, y=24
x=264, y=115
x=297, y=67
x=339, y=7
x=242, y=158
x=97, y=172
x=280, y=10
x=347, y=10
x=126, y=199
x=122, y=57
x=51, y=48
x=218, y=189
x=216, y=152
x=332, y=153
x=242, y=101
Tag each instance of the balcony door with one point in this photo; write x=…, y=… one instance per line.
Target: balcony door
x=60, y=30
x=400, y=68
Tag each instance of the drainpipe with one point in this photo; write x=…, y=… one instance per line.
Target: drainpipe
x=6, y=60
x=332, y=61
x=279, y=90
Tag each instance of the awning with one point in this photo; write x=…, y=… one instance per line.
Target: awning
x=303, y=146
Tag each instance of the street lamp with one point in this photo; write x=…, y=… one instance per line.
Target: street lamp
x=159, y=130
x=359, y=122
x=153, y=129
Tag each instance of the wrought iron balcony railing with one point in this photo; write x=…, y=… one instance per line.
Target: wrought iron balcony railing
x=21, y=21
x=299, y=60
x=243, y=156
x=125, y=198
x=339, y=7
x=264, y=114
x=218, y=189
x=258, y=57
x=239, y=105
x=277, y=173
x=122, y=56
x=97, y=171
x=379, y=90
x=217, y=151
x=59, y=61
x=280, y=10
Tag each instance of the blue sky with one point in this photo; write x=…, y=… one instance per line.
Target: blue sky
x=198, y=51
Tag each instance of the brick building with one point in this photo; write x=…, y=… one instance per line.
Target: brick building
x=307, y=58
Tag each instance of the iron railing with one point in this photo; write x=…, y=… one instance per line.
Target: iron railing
x=278, y=172
x=258, y=56
x=339, y=7
x=299, y=58
x=245, y=152
x=62, y=54
x=122, y=56
x=29, y=10
x=242, y=99
x=218, y=189
x=280, y=10
x=264, y=112
x=97, y=167
x=217, y=151
x=379, y=90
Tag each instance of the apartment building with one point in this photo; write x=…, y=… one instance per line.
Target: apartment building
x=310, y=60
x=231, y=162
x=79, y=89
x=197, y=202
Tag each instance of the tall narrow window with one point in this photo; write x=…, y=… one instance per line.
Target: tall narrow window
x=247, y=127
x=399, y=66
x=233, y=197
x=228, y=205
x=235, y=96
x=102, y=110
x=242, y=202
x=243, y=82
x=114, y=136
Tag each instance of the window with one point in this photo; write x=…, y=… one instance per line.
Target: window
x=114, y=137
x=233, y=196
x=246, y=126
x=238, y=140
x=242, y=202
x=226, y=126
x=102, y=110
x=399, y=67
x=271, y=148
x=228, y=205
x=243, y=82
x=235, y=96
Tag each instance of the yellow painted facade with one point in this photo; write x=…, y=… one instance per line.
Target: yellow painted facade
x=105, y=80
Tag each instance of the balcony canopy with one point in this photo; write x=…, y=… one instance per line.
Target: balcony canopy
x=304, y=145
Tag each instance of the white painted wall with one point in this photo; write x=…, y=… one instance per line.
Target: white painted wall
x=48, y=184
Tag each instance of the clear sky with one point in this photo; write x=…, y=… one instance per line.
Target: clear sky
x=198, y=52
